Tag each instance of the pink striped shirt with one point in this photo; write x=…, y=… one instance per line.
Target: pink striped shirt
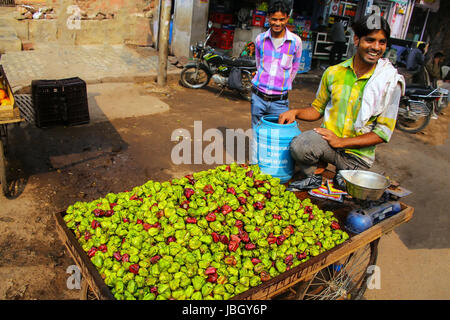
x=277, y=68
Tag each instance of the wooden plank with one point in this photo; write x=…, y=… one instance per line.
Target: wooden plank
x=10, y=113
x=6, y=114
x=315, y=264
x=88, y=270
x=7, y=117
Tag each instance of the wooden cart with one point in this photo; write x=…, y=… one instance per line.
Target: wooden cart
x=8, y=116
x=340, y=273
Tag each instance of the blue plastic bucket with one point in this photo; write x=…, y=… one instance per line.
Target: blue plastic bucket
x=271, y=147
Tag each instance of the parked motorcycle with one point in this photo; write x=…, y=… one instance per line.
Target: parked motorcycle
x=209, y=64
x=418, y=106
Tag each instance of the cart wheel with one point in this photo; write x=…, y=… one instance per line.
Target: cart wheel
x=344, y=280
x=3, y=180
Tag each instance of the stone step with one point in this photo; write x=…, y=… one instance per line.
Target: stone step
x=8, y=37
x=7, y=32
x=9, y=44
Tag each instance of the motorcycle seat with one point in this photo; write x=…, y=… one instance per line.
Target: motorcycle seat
x=239, y=62
x=418, y=90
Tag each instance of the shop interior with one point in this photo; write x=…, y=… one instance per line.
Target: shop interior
x=237, y=22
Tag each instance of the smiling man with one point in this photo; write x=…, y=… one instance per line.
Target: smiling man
x=358, y=100
x=277, y=54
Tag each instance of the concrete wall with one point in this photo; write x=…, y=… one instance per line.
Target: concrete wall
x=190, y=23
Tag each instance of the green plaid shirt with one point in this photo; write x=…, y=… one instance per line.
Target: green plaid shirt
x=339, y=98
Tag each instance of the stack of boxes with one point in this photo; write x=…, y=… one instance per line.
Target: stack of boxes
x=258, y=18
x=223, y=30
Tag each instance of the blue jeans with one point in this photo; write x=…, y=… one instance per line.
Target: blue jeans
x=262, y=108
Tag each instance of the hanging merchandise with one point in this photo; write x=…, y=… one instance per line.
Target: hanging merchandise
x=306, y=58
x=302, y=27
x=259, y=18
x=334, y=7
x=263, y=7
x=243, y=17
x=433, y=5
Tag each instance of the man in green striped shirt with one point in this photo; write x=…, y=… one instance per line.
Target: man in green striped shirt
x=358, y=100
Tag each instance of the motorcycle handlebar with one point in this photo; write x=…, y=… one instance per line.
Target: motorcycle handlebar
x=208, y=36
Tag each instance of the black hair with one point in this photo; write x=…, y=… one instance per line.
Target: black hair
x=422, y=47
x=368, y=24
x=279, y=6
x=438, y=54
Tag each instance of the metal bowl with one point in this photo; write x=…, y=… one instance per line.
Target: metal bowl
x=364, y=185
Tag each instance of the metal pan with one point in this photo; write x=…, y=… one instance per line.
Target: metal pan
x=364, y=185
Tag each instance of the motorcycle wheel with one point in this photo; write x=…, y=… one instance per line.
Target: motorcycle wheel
x=195, y=77
x=246, y=92
x=415, y=117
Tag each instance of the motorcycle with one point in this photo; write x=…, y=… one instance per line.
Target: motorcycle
x=209, y=64
x=418, y=106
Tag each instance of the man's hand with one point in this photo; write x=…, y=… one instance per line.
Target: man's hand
x=305, y=114
x=287, y=117
x=333, y=140
x=362, y=141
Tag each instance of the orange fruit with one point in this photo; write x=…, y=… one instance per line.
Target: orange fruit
x=3, y=94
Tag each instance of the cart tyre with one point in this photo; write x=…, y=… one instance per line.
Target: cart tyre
x=349, y=283
x=3, y=180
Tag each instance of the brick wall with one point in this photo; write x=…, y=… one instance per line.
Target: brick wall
x=37, y=2
x=90, y=6
x=111, y=6
x=123, y=21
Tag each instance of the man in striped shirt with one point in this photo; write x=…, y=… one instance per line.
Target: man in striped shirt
x=346, y=95
x=277, y=54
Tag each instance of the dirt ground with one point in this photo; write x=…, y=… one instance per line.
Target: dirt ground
x=53, y=168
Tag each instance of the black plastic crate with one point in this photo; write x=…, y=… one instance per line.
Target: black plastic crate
x=46, y=96
x=76, y=100
x=60, y=102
